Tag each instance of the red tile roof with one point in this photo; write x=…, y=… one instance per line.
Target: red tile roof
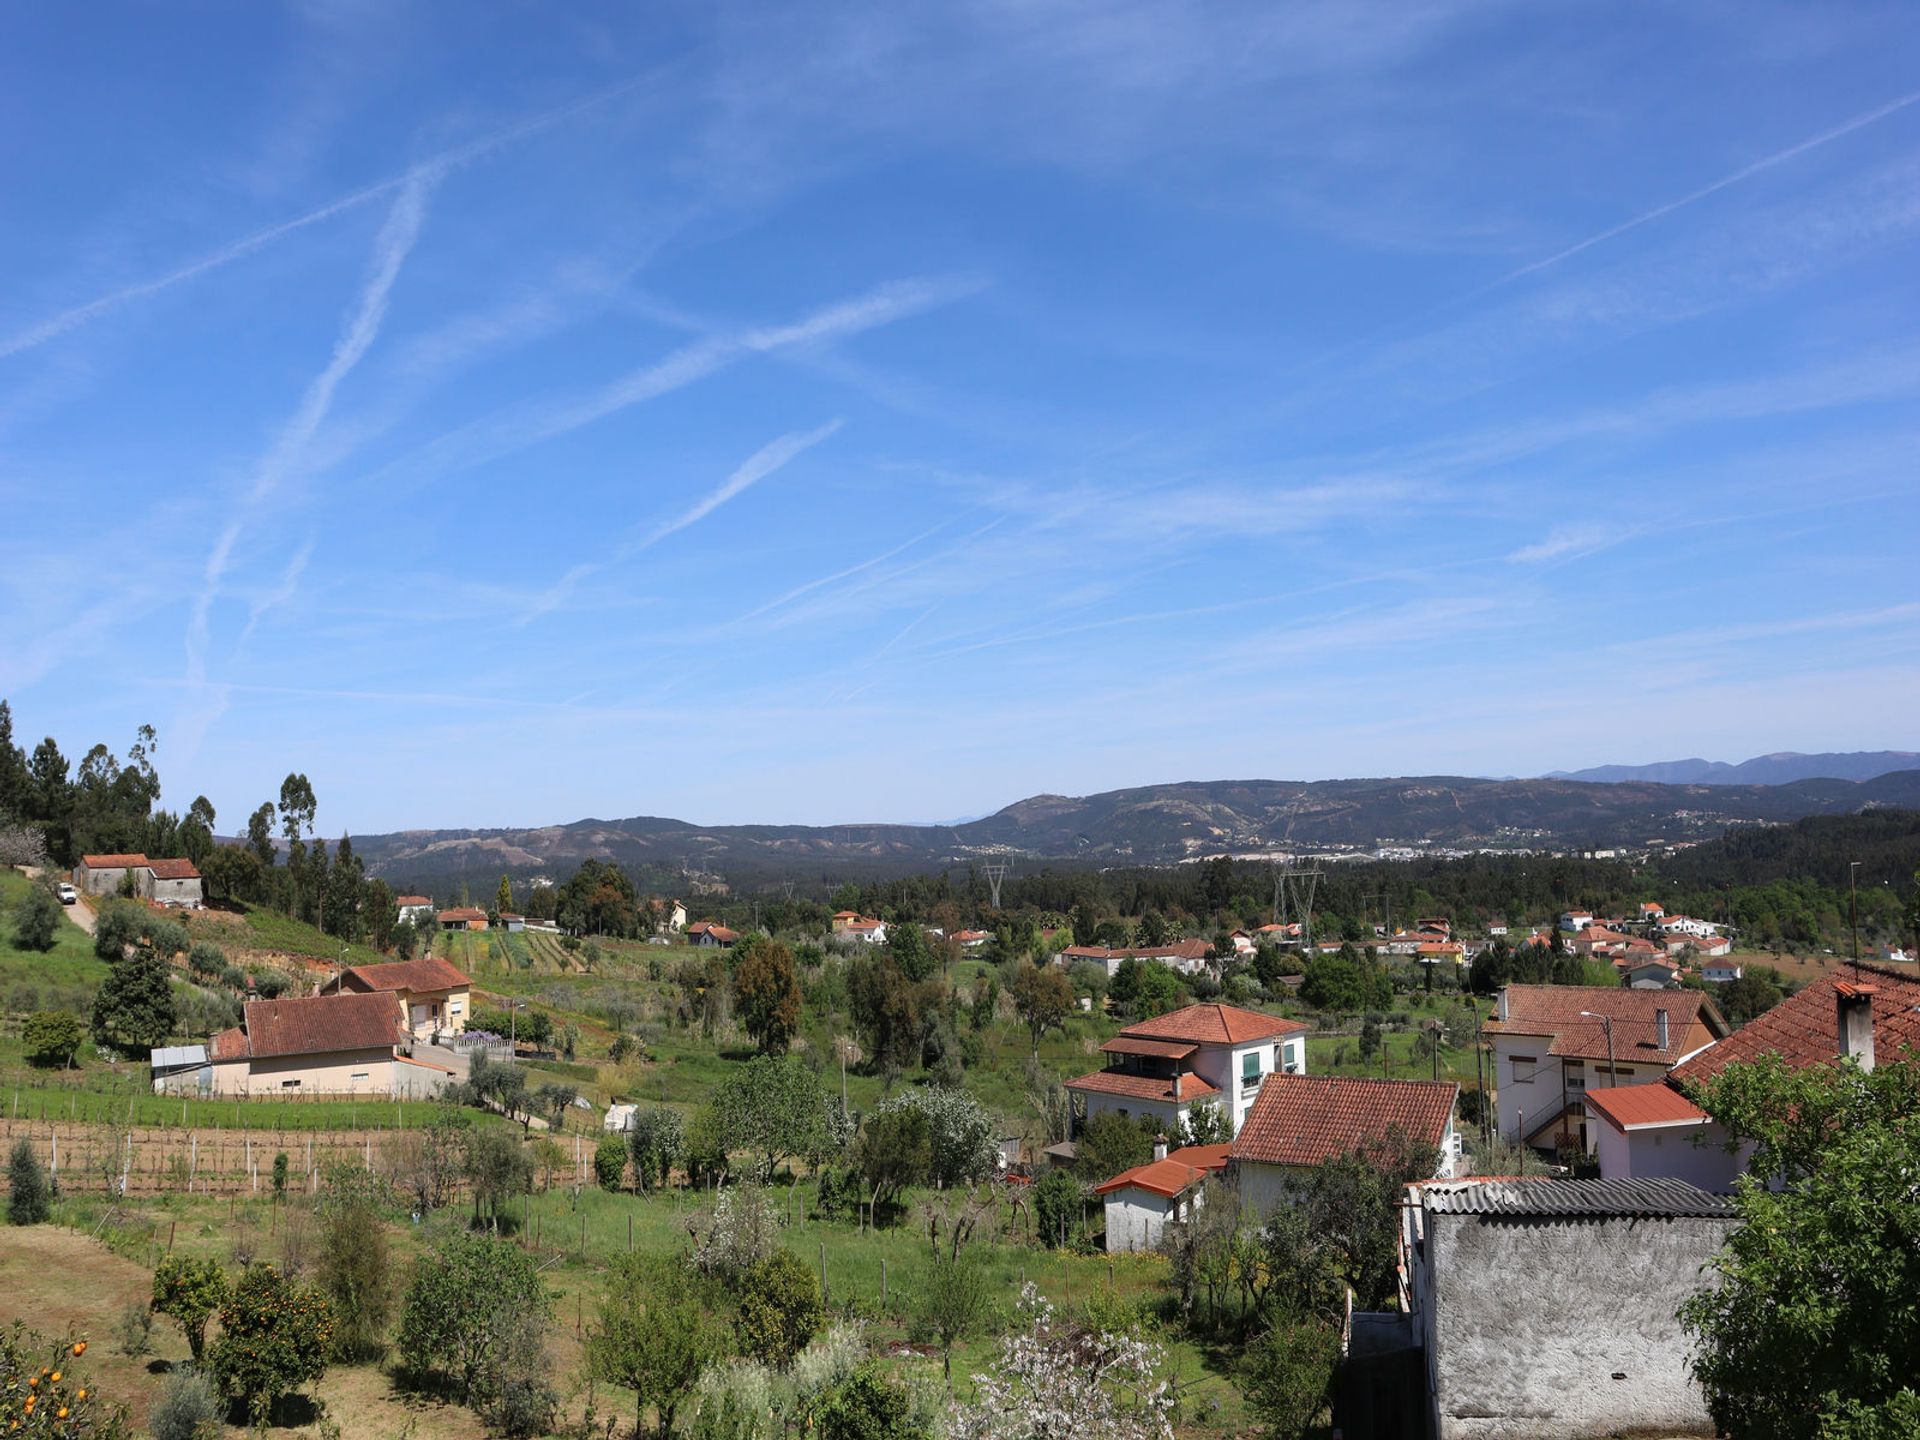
x=1803, y=1030
x=1143, y=1087
x=314, y=1025
x=462, y=912
x=1180, y=1171
x=411, y=900
x=113, y=862
x=1639, y=1107
x=1307, y=1119
x=1554, y=1011
x=1178, y=950
x=1162, y=1049
x=173, y=870
x=429, y=972
x=228, y=1045
x=1213, y=1025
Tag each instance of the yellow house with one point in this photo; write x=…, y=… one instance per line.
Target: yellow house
x=434, y=997
x=319, y=1045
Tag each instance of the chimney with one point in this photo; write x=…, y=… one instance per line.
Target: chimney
x=1176, y=1083
x=1159, y=1147
x=1503, y=1002
x=1660, y=1028
x=1854, y=1006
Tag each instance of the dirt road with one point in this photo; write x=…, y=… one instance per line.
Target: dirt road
x=78, y=912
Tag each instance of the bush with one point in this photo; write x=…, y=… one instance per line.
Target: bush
x=1056, y=1207
x=36, y=920
x=206, y=961
x=29, y=1196
x=456, y=1321
x=188, y=1409
x=356, y=1274
x=610, y=1162
x=189, y=1291
x=869, y=1407
x=52, y=1037
x=779, y=1308
x=116, y=927
x=1286, y=1374
x=275, y=1336
x=133, y=1333
x=70, y=1404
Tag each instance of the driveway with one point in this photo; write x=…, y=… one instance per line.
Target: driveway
x=76, y=912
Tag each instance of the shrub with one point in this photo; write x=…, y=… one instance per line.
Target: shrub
x=70, y=1405
x=206, y=961
x=740, y=1233
x=36, y=920
x=610, y=1162
x=1287, y=1372
x=454, y=1321
x=870, y=1406
x=275, y=1336
x=115, y=928
x=133, y=1334
x=659, y=1142
x=779, y=1308
x=356, y=1274
x=655, y=1335
x=29, y=1197
x=189, y=1291
x=188, y=1409
x=280, y=1176
x=1056, y=1207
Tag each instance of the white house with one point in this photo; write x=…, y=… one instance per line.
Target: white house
x=672, y=917
x=415, y=908
x=1142, y=1200
x=1550, y=1307
x=1243, y=945
x=1721, y=974
x=1553, y=1043
x=969, y=939
x=1219, y=1054
x=1686, y=925
x=1656, y=1130
x=1300, y=1122
x=1571, y=920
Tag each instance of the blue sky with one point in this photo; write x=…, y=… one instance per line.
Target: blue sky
x=507, y=414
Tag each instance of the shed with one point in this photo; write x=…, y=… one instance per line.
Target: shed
x=180, y=1068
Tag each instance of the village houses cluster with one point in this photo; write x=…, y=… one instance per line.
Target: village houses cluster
x=1594, y=1071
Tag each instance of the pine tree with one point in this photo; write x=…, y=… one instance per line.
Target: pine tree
x=30, y=1197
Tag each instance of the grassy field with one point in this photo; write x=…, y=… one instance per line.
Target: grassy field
x=84, y=1274
x=70, y=964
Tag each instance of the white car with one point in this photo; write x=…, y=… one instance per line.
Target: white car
x=68, y=895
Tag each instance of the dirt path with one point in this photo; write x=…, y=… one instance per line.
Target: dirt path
x=79, y=912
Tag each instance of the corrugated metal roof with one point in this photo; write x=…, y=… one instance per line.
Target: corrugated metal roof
x=1575, y=1199
x=169, y=1057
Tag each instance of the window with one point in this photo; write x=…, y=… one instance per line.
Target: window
x=1250, y=1065
x=358, y=1075
x=289, y=1084
x=1523, y=1068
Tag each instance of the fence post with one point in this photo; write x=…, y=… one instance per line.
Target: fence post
x=825, y=1297
x=883, y=1280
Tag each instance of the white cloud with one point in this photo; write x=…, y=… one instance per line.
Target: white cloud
x=1565, y=542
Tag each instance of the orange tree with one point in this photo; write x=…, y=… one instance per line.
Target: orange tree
x=42, y=1398
x=275, y=1336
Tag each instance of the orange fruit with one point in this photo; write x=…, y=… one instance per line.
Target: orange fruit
x=79, y=1347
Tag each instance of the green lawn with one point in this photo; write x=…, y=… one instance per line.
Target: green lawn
x=70, y=964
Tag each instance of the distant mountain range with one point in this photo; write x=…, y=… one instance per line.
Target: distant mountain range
x=1150, y=825
x=1782, y=768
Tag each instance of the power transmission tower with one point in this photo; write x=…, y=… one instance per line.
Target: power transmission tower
x=995, y=871
x=1296, y=886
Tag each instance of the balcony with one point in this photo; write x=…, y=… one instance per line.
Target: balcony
x=1250, y=1084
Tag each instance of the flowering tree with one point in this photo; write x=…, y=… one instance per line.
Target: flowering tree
x=963, y=1139
x=1060, y=1382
